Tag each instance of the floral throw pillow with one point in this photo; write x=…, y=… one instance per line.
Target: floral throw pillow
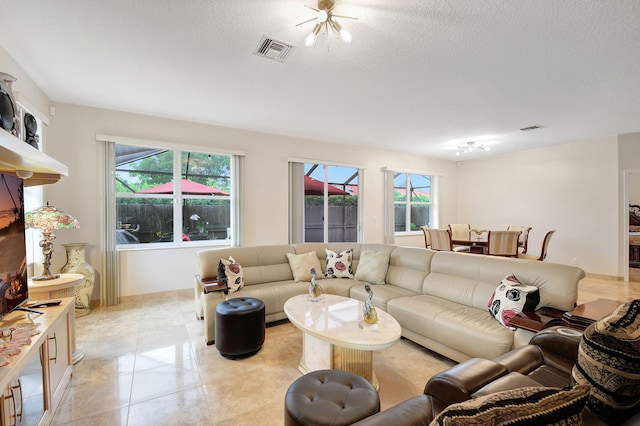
x=339, y=264
x=511, y=297
x=230, y=271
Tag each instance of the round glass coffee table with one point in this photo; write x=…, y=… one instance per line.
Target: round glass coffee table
x=335, y=337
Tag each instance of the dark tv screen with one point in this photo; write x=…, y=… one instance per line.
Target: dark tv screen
x=13, y=250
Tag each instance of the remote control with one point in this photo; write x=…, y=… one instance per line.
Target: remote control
x=47, y=303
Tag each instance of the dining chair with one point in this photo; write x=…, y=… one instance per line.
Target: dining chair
x=440, y=239
x=543, y=251
x=460, y=231
x=427, y=239
x=524, y=237
x=503, y=243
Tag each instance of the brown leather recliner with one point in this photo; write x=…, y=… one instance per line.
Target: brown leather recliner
x=546, y=361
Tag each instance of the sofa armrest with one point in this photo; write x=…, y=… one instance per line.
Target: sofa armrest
x=211, y=284
x=559, y=350
x=204, y=286
x=522, y=360
x=460, y=381
x=417, y=411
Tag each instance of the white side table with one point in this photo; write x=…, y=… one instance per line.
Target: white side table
x=63, y=286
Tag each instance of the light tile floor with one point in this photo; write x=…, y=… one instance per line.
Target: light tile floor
x=146, y=363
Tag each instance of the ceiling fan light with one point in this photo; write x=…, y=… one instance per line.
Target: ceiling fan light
x=310, y=40
x=346, y=36
x=325, y=21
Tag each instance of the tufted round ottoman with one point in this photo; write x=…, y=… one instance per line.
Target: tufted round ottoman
x=240, y=327
x=329, y=397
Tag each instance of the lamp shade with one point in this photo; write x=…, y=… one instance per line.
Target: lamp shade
x=49, y=218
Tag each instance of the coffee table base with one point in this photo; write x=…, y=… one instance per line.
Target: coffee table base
x=321, y=355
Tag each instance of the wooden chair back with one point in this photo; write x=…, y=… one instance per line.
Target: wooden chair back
x=427, y=239
x=545, y=244
x=460, y=231
x=523, y=240
x=503, y=243
x=440, y=239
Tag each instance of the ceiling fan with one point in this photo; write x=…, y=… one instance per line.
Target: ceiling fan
x=470, y=147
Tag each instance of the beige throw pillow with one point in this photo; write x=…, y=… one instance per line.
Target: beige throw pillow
x=372, y=267
x=301, y=265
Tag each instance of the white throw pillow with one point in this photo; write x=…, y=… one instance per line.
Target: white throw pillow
x=339, y=264
x=301, y=265
x=512, y=297
x=372, y=266
x=230, y=272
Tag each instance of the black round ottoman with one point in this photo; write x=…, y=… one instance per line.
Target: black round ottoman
x=240, y=327
x=329, y=397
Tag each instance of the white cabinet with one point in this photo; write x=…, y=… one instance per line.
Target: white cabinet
x=59, y=358
x=24, y=396
x=33, y=383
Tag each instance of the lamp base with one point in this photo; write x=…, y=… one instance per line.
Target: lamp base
x=45, y=277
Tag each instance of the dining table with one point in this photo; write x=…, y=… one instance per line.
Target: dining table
x=477, y=244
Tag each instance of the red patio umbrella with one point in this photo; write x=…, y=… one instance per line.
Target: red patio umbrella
x=315, y=187
x=188, y=187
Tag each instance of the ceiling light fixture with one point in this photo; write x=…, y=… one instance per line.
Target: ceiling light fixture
x=470, y=147
x=326, y=23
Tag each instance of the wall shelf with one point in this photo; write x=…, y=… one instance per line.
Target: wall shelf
x=18, y=155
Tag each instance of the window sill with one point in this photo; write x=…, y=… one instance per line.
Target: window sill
x=182, y=245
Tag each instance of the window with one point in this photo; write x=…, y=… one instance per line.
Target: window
x=412, y=201
x=324, y=203
x=171, y=196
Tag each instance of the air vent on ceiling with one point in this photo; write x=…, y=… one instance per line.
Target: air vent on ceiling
x=273, y=49
x=526, y=129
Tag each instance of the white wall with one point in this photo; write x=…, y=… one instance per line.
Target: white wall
x=572, y=188
x=72, y=140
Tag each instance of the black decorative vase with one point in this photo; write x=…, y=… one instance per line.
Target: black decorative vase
x=9, y=118
x=30, y=130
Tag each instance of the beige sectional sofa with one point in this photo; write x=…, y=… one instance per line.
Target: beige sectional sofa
x=439, y=298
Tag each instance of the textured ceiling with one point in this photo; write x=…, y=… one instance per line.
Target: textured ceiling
x=421, y=76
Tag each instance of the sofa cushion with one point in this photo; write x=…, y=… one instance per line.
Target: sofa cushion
x=231, y=273
x=468, y=331
x=609, y=361
x=372, y=267
x=301, y=265
x=339, y=264
x=522, y=406
x=510, y=298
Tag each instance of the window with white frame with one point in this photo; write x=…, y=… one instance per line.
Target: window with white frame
x=324, y=202
x=412, y=201
x=172, y=196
